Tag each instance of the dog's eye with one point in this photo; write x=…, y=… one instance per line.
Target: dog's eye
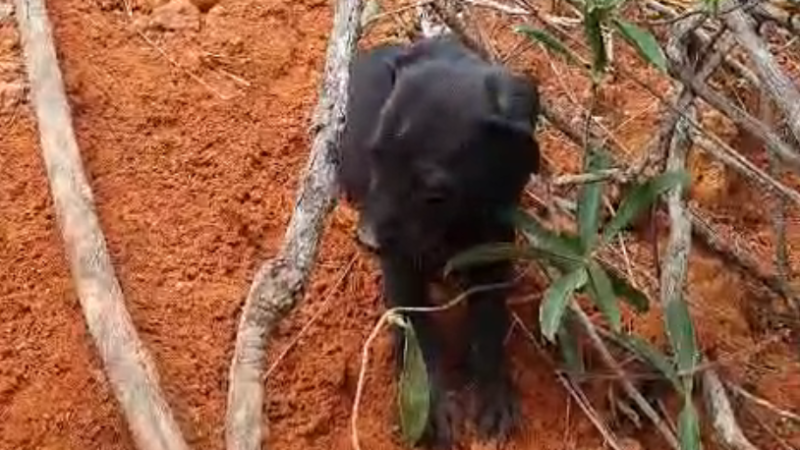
x=435, y=184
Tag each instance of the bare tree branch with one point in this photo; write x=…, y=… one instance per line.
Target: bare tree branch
x=626, y=384
x=779, y=211
x=278, y=283
x=783, y=18
x=722, y=417
x=729, y=250
x=732, y=251
x=128, y=365
x=676, y=260
x=774, y=81
x=744, y=167
x=740, y=117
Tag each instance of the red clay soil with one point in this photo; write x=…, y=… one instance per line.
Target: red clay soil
x=193, y=143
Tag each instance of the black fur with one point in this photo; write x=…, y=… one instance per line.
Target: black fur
x=437, y=145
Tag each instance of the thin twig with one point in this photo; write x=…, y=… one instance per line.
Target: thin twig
x=629, y=388
x=745, y=5
x=737, y=355
x=451, y=21
x=171, y=60
x=323, y=308
x=497, y=6
x=585, y=178
x=761, y=423
x=580, y=398
x=745, y=167
x=738, y=390
x=395, y=11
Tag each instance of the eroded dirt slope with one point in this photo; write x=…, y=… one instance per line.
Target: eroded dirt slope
x=193, y=142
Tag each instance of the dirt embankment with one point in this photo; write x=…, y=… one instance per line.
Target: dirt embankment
x=193, y=143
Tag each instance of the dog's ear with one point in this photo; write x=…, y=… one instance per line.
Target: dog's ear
x=513, y=97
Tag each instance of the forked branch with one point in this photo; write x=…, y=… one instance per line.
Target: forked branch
x=279, y=282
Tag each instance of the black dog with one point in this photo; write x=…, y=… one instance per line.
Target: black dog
x=438, y=145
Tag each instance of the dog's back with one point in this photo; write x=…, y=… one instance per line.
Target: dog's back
x=371, y=82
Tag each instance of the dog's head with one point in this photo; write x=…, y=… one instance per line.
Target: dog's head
x=454, y=141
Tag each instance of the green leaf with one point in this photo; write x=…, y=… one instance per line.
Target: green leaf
x=556, y=300
x=603, y=295
x=689, y=426
x=570, y=348
x=589, y=200
x=592, y=27
x=712, y=6
x=632, y=296
x=641, y=198
x=681, y=335
x=539, y=237
x=549, y=41
x=653, y=356
x=414, y=396
x=500, y=251
x=645, y=43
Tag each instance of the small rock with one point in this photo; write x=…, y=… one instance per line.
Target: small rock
x=175, y=15
x=205, y=5
x=11, y=95
x=6, y=11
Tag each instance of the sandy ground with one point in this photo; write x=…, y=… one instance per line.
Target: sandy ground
x=193, y=159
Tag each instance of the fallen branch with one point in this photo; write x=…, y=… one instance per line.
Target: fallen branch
x=722, y=417
x=734, y=160
x=619, y=372
x=717, y=147
x=279, y=282
x=323, y=308
x=730, y=251
x=727, y=59
x=676, y=258
x=774, y=82
x=788, y=415
x=779, y=212
x=790, y=21
x=128, y=365
x=740, y=117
